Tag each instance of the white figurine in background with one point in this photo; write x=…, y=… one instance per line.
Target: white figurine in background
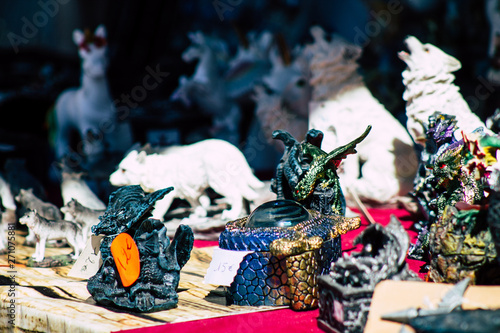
x=53, y=230
x=282, y=100
x=249, y=64
x=6, y=195
x=85, y=216
x=191, y=169
x=8, y=216
x=73, y=186
x=384, y=167
x=429, y=88
x=206, y=88
x=89, y=109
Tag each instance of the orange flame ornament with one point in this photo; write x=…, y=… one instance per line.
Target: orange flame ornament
x=126, y=256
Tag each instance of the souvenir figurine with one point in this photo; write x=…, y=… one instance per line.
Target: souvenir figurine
x=429, y=86
x=140, y=266
x=86, y=217
x=8, y=215
x=44, y=230
x=74, y=186
x=296, y=237
x=47, y=210
x=449, y=315
x=191, y=169
x=283, y=96
x=384, y=167
x=85, y=109
x=6, y=196
x=249, y=64
x=494, y=205
x=206, y=90
x=456, y=239
x=346, y=292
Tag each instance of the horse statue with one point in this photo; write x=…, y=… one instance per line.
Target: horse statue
x=88, y=112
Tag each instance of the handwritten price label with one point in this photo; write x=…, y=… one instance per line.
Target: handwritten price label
x=223, y=267
x=89, y=261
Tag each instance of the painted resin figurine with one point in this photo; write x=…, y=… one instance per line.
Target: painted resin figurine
x=191, y=169
x=75, y=187
x=89, y=109
x=141, y=266
x=28, y=200
x=86, y=217
x=283, y=96
x=206, y=89
x=449, y=315
x=345, y=293
x=457, y=193
x=45, y=230
x=428, y=80
x=296, y=237
x=385, y=165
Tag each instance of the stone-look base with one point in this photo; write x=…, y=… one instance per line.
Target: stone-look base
x=54, y=261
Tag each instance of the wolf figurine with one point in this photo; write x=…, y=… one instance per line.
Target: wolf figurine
x=191, y=169
x=74, y=186
x=52, y=230
x=86, y=217
x=385, y=165
x=30, y=201
x=428, y=80
x=46, y=209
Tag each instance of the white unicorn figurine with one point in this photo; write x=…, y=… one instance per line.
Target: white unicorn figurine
x=89, y=109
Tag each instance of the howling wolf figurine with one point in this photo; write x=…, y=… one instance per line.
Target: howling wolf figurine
x=430, y=88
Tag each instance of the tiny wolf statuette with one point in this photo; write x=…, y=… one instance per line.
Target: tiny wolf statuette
x=86, y=217
x=147, y=278
x=45, y=230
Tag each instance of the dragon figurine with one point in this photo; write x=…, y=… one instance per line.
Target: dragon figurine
x=456, y=240
x=308, y=174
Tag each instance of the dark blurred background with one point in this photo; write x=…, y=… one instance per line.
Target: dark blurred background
x=37, y=64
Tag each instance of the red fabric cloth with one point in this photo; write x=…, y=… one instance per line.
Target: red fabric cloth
x=285, y=320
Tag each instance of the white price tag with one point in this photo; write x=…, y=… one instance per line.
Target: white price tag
x=224, y=265
x=89, y=261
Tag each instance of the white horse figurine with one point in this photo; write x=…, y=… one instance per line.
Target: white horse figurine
x=89, y=109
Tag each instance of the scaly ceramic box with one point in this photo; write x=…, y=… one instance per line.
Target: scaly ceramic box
x=290, y=253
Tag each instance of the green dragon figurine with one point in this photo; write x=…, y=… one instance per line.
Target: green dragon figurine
x=307, y=169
